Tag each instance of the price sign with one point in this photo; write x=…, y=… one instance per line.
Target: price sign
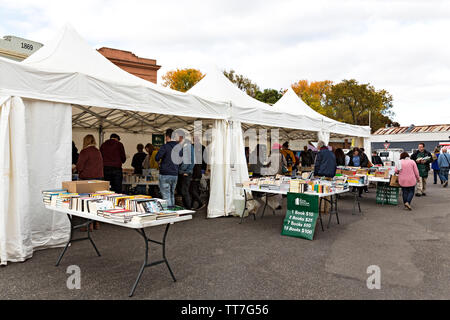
x=301, y=216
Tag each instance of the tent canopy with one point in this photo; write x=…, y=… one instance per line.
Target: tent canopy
x=216, y=87
x=68, y=70
x=293, y=104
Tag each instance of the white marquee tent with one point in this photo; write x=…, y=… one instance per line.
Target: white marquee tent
x=290, y=114
x=67, y=82
x=291, y=103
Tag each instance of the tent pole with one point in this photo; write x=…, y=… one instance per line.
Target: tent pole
x=100, y=135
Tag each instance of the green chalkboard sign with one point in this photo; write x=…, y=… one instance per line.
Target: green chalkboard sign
x=158, y=140
x=301, y=216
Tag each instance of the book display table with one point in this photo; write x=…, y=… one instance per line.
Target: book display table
x=138, y=227
x=383, y=189
x=323, y=197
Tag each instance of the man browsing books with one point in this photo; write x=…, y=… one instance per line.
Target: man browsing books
x=168, y=172
x=423, y=159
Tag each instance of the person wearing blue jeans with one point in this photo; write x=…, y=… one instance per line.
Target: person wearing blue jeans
x=168, y=169
x=408, y=194
x=444, y=166
x=167, y=185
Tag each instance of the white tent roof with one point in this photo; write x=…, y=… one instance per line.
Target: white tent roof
x=216, y=87
x=293, y=104
x=68, y=70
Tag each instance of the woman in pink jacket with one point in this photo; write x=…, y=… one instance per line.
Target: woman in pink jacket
x=408, y=176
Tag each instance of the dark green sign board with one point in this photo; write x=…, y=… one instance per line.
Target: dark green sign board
x=157, y=140
x=301, y=216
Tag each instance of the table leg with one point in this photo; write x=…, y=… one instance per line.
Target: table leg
x=71, y=240
x=245, y=208
x=146, y=264
x=320, y=214
x=265, y=205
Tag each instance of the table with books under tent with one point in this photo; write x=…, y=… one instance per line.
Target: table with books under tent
x=132, y=220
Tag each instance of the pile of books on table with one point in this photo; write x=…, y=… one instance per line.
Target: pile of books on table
x=357, y=180
x=114, y=206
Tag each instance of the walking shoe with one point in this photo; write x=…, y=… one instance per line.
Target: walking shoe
x=445, y=184
x=424, y=194
x=408, y=206
x=418, y=195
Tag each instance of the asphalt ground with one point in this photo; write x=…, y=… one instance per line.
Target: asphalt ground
x=221, y=259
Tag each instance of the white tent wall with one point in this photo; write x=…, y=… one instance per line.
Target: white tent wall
x=228, y=167
x=217, y=158
x=29, y=131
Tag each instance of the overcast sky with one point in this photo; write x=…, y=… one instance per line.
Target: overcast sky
x=400, y=46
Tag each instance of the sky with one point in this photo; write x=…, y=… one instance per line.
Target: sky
x=399, y=46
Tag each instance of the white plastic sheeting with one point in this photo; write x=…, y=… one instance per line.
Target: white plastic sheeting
x=31, y=130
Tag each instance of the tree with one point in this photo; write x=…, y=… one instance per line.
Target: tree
x=314, y=93
x=352, y=102
x=242, y=82
x=182, y=79
x=270, y=96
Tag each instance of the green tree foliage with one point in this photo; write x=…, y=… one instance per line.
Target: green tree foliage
x=348, y=101
x=182, y=79
x=242, y=82
x=270, y=96
x=351, y=102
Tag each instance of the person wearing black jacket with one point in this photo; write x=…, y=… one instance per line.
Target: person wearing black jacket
x=325, y=165
x=423, y=159
x=138, y=158
x=358, y=159
x=168, y=172
x=376, y=159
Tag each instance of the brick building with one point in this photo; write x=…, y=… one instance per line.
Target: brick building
x=144, y=68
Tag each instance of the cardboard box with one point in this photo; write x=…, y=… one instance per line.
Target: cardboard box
x=85, y=186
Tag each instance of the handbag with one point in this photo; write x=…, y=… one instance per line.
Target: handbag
x=393, y=182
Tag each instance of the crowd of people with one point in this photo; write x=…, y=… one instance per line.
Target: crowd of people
x=184, y=177
x=105, y=163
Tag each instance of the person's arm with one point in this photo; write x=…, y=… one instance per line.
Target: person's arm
x=161, y=153
x=123, y=156
x=134, y=163
x=416, y=171
x=81, y=163
x=317, y=164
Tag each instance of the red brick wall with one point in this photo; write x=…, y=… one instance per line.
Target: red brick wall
x=146, y=69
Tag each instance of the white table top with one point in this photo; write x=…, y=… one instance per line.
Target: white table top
x=131, y=224
x=378, y=179
x=320, y=195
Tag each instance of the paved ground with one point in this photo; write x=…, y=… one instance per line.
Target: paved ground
x=220, y=259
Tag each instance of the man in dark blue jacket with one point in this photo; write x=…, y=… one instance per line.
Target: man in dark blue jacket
x=168, y=170
x=325, y=165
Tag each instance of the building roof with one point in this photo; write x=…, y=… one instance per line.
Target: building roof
x=413, y=129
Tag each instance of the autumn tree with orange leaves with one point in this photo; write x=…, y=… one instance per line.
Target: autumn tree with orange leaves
x=182, y=79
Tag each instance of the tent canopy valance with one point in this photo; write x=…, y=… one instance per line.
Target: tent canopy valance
x=68, y=70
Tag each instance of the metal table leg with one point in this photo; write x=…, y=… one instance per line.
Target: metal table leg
x=320, y=214
x=71, y=240
x=146, y=264
x=265, y=204
x=245, y=208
